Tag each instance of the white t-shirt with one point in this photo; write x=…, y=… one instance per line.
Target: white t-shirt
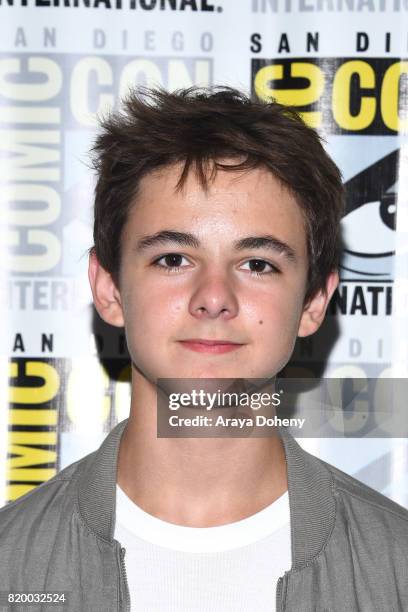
x=229, y=568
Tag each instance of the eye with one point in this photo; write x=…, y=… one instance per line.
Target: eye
x=173, y=262
x=257, y=267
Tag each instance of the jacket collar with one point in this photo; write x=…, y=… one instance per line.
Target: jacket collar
x=311, y=501
x=310, y=487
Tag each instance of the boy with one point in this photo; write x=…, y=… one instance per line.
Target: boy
x=216, y=245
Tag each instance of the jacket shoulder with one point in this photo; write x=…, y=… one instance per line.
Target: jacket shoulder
x=43, y=503
x=31, y=526
x=371, y=501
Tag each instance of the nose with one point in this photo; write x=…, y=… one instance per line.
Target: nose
x=213, y=297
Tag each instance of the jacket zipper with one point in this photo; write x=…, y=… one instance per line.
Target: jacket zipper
x=280, y=603
x=279, y=595
x=124, y=575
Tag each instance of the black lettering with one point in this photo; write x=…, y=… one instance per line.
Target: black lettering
x=388, y=300
x=312, y=41
x=47, y=342
x=18, y=343
x=283, y=44
x=191, y=3
x=358, y=302
x=362, y=41
x=339, y=300
x=256, y=40
x=375, y=291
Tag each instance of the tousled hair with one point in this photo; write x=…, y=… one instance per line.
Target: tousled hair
x=200, y=127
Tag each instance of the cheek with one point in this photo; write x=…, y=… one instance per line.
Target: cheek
x=275, y=318
x=150, y=313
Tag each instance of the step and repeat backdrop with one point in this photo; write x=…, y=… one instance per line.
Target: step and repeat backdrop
x=342, y=63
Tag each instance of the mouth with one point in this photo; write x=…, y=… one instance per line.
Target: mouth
x=200, y=345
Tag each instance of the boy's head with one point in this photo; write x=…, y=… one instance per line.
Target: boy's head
x=215, y=165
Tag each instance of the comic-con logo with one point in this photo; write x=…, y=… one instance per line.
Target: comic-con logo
x=350, y=97
x=340, y=95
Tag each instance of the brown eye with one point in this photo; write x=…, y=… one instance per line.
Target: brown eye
x=172, y=262
x=257, y=267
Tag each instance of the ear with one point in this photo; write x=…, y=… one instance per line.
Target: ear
x=315, y=309
x=105, y=294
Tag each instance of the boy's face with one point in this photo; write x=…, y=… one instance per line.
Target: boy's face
x=207, y=288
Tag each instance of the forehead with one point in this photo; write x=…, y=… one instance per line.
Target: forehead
x=234, y=203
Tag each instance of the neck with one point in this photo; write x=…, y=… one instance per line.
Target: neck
x=196, y=482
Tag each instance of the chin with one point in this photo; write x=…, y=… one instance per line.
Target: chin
x=216, y=374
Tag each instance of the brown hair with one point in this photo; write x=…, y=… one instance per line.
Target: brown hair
x=200, y=126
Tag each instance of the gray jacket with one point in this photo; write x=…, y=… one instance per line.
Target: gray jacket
x=349, y=543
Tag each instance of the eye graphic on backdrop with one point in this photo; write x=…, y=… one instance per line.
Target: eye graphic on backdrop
x=369, y=223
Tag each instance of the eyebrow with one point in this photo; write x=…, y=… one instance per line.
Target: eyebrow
x=187, y=239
